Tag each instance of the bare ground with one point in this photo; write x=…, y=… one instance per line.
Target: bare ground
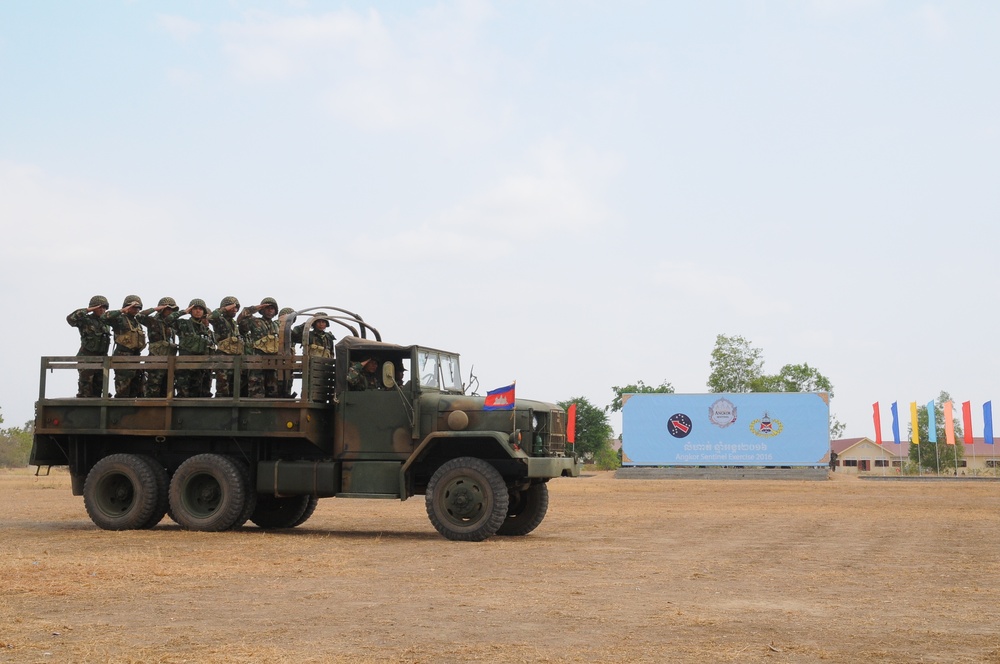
x=620, y=571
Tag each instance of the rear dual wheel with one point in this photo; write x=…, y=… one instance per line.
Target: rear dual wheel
x=283, y=512
x=209, y=492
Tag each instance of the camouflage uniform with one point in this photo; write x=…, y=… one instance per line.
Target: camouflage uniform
x=229, y=342
x=195, y=339
x=162, y=343
x=321, y=342
x=262, y=337
x=359, y=379
x=130, y=339
x=95, y=338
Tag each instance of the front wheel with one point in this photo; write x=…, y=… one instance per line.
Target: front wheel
x=283, y=512
x=526, y=510
x=208, y=492
x=467, y=499
x=120, y=492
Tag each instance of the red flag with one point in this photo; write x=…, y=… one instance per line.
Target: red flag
x=877, y=417
x=501, y=398
x=571, y=424
x=967, y=422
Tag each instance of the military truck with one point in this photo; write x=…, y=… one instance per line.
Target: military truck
x=213, y=464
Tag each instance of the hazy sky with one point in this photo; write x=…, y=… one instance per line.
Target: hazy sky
x=573, y=195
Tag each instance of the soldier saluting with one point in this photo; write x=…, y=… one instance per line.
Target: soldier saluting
x=95, y=338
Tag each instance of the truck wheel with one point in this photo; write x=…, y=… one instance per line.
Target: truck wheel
x=273, y=512
x=310, y=508
x=526, y=510
x=162, y=486
x=250, y=503
x=120, y=492
x=208, y=493
x=466, y=499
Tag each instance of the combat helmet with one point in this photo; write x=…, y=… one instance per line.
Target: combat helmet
x=229, y=299
x=168, y=301
x=286, y=310
x=198, y=302
x=269, y=300
x=132, y=298
x=320, y=316
x=99, y=301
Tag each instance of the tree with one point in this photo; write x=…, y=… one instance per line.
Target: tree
x=637, y=388
x=15, y=445
x=936, y=456
x=592, y=428
x=739, y=367
x=735, y=365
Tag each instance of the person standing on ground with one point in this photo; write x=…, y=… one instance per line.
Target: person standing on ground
x=95, y=338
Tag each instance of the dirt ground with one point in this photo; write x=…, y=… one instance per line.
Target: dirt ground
x=619, y=571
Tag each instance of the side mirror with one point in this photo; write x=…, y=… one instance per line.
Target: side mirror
x=388, y=375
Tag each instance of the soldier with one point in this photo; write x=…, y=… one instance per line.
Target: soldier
x=363, y=375
x=130, y=339
x=161, y=344
x=320, y=342
x=195, y=339
x=262, y=335
x=229, y=342
x=95, y=337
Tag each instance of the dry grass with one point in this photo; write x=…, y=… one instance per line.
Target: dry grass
x=620, y=571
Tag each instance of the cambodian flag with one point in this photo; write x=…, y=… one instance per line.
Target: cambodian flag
x=501, y=398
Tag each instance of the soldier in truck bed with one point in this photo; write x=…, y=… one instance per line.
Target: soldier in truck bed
x=195, y=339
x=229, y=342
x=95, y=338
x=261, y=333
x=130, y=339
x=161, y=344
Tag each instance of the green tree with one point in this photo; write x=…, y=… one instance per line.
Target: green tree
x=15, y=445
x=592, y=428
x=739, y=367
x=637, y=388
x=940, y=455
x=735, y=365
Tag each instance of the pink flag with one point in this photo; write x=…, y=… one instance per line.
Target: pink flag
x=949, y=424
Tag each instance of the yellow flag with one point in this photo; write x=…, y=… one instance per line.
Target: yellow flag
x=915, y=436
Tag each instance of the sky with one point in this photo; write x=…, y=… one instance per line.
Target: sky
x=573, y=195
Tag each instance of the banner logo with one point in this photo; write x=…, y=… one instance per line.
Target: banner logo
x=766, y=427
x=722, y=413
x=679, y=425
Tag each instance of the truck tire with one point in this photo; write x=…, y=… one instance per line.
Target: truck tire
x=250, y=502
x=525, y=510
x=310, y=508
x=162, y=486
x=285, y=512
x=208, y=493
x=120, y=492
x=467, y=499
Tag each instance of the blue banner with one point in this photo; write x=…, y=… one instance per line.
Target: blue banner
x=757, y=429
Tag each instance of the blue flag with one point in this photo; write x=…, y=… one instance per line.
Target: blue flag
x=988, y=422
x=895, y=422
x=931, y=423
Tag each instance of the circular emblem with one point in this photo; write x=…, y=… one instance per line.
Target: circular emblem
x=679, y=425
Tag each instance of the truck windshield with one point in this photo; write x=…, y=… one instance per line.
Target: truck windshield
x=439, y=370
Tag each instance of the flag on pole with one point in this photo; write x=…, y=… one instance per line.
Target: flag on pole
x=895, y=422
x=988, y=422
x=949, y=423
x=877, y=417
x=967, y=422
x=571, y=424
x=914, y=433
x=931, y=423
x=501, y=398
